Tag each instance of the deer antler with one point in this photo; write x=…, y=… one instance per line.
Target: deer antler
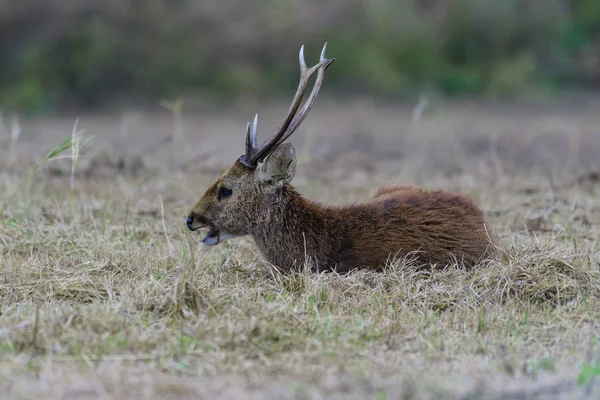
x=255, y=154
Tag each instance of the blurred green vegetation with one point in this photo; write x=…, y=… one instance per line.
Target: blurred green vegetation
x=87, y=54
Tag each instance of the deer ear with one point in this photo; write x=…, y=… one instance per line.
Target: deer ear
x=279, y=166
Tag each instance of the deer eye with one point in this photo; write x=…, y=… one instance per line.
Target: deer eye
x=223, y=192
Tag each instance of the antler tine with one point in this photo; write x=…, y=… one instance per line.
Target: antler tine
x=248, y=139
x=254, y=138
x=323, y=65
x=297, y=100
x=255, y=154
x=252, y=158
x=251, y=141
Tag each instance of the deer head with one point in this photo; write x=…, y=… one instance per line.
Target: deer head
x=233, y=205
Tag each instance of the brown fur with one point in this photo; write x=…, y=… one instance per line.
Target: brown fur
x=437, y=227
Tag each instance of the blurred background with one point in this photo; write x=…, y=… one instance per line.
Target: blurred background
x=67, y=54
x=498, y=82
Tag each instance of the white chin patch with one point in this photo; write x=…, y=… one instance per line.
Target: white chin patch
x=214, y=237
x=210, y=240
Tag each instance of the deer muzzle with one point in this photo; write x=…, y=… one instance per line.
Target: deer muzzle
x=195, y=222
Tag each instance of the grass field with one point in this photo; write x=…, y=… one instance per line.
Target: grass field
x=105, y=294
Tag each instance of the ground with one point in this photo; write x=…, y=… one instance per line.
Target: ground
x=105, y=294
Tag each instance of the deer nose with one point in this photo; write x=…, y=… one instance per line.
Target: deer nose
x=190, y=222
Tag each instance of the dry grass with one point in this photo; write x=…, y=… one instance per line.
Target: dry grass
x=105, y=294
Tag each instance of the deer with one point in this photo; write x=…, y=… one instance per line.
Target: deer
x=255, y=197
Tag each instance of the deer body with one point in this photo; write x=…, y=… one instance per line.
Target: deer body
x=255, y=197
x=437, y=227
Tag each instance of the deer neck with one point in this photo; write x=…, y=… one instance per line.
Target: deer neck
x=292, y=229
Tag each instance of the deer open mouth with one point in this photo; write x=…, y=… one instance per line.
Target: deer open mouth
x=212, y=237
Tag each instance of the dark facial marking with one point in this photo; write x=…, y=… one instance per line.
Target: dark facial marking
x=432, y=222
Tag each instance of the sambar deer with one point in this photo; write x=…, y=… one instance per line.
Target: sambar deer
x=255, y=197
